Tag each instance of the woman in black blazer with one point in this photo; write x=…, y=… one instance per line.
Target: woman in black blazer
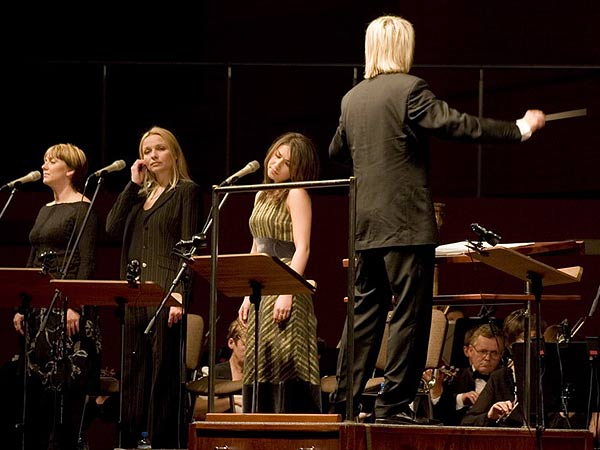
x=158, y=207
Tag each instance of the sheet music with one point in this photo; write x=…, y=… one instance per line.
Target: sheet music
x=461, y=248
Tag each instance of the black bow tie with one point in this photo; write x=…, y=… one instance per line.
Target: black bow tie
x=480, y=376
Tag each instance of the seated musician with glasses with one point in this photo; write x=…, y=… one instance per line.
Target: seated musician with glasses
x=501, y=401
x=497, y=404
x=453, y=396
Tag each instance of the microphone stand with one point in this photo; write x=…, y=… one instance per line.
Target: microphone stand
x=63, y=272
x=211, y=338
x=12, y=193
x=197, y=241
x=65, y=267
x=210, y=215
x=186, y=257
x=26, y=300
x=85, y=219
x=581, y=321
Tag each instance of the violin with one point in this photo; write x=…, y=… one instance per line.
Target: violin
x=449, y=372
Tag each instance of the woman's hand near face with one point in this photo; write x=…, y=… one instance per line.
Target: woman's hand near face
x=138, y=169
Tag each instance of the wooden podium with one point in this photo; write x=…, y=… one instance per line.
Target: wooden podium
x=253, y=274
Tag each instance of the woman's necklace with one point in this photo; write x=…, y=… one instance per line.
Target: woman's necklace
x=153, y=197
x=156, y=193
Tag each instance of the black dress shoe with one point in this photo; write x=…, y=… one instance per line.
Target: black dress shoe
x=406, y=418
x=400, y=418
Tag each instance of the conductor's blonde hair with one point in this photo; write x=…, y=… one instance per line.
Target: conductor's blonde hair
x=389, y=46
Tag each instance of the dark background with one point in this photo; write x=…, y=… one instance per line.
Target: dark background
x=228, y=77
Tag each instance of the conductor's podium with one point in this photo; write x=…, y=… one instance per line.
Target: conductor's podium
x=267, y=432
x=327, y=432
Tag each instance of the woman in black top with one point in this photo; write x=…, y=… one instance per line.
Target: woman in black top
x=63, y=362
x=158, y=208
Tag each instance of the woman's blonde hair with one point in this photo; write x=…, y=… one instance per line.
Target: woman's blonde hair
x=389, y=46
x=73, y=157
x=180, y=167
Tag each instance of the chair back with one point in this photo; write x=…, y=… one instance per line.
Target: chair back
x=437, y=338
x=382, y=355
x=195, y=337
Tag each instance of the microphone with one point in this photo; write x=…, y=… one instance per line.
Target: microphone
x=250, y=168
x=565, y=332
x=197, y=240
x=133, y=273
x=487, y=235
x=117, y=165
x=31, y=176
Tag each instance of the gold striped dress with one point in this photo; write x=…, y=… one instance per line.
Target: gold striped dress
x=288, y=363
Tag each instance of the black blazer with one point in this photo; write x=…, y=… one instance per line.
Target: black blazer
x=383, y=130
x=173, y=217
x=500, y=387
x=445, y=409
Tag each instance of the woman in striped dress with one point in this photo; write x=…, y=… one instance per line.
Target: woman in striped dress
x=288, y=364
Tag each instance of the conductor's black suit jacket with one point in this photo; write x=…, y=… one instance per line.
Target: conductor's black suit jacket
x=384, y=127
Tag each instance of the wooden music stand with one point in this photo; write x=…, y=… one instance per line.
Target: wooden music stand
x=535, y=248
x=26, y=285
x=240, y=274
x=536, y=274
x=119, y=293
x=111, y=292
x=522, y=266
x=253, y=274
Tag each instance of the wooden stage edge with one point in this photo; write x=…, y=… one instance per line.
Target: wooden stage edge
x=328, y=432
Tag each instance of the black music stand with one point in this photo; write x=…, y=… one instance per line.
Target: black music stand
x=108, y=293
x=24, y=286
x=253, y=274
x=537, y=275
x=565, y=378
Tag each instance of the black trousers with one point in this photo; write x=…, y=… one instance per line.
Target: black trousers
x=405, y=273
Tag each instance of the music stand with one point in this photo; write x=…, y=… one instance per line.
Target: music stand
x=25, y=284
x=113, y=292
x=565, y=376
x=536, y=274
x=253, y=274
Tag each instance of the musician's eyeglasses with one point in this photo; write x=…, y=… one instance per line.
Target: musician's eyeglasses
x=492, y=354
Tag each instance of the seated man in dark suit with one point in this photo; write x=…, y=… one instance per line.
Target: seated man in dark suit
x=453, y=396
x=501, y=401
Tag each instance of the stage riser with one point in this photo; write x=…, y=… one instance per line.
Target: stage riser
x=351, y=436
x=455, y=438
